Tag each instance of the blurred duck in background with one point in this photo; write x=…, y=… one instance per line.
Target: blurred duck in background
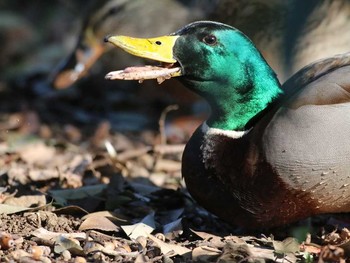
x=290, y=34
x=322, y=31
x=264, y=22
x=124, y=17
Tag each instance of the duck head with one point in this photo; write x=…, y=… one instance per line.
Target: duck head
x=215, y=61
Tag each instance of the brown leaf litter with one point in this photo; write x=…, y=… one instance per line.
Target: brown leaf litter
x=116, y=197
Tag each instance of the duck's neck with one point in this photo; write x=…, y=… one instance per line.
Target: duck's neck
x=234, y=108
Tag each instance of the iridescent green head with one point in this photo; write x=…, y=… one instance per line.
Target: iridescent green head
x=219, y=63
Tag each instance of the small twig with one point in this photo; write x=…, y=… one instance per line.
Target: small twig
x=161, y=122
x=115, y=159
x=4, y=197
x=39, y=219
x=157, y=149
x=134, y=153
x=110, y=149
x=162, y=133
x=169, y=148
x=93, y=234
x=43, y=241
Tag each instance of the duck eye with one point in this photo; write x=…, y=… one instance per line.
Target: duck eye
x=210, y=40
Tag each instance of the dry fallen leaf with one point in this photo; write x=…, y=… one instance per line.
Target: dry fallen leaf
x=37, y=154
x=12, y=209
x=43, y=174
x=98, y=223
x=235, y=252
x=61, y=196
x=49, y=235
x=116, y=218
x=205, y=254
x=170, y=249
x=205, y=236
x=173, y=226
x=289, y=245
x=31, y=201
x=71, y=244
x=143, y=228
x=144, y=188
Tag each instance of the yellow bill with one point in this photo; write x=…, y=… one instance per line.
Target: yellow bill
x=158, y=49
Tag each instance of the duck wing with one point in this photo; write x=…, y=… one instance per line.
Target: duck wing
x=307, y=139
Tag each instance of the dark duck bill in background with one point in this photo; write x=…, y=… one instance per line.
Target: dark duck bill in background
x=269, y=154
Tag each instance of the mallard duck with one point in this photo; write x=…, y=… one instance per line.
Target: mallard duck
x=269, y=154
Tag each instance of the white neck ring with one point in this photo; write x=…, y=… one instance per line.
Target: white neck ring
x=228, y=133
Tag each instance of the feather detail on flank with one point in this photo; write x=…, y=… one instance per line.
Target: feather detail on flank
x=228, y=133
